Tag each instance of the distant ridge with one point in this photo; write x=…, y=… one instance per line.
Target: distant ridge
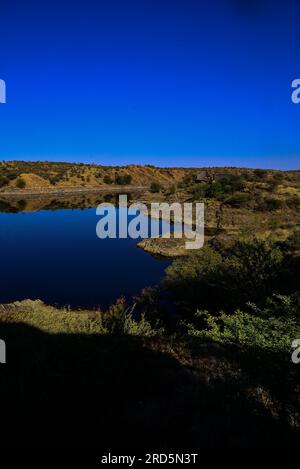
x=45, y=175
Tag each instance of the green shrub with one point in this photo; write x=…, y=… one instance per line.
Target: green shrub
x=155, y=187
x=269, y=204
x=20, y=183
x=123, y=179
x=172, y=190
x=119, y=320
x=248, y=331
x=107, y=179
x=186, y=181
x=199, y=191
x=249, y=271
x=260, y=174
x=293, y=202
x=284, y=306
x=54, y=179
x=239, y=199
x=292, y=243
x=228, y=185
x=3, y=181
x=278, y=177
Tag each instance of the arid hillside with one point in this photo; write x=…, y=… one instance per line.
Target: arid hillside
x=43, y=176
x=18, y=175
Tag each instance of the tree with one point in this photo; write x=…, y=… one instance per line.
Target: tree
x=249, y=271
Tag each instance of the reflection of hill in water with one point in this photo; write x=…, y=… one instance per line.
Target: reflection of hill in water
x=36, y=203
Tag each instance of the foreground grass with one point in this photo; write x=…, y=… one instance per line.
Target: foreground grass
x=242, y=329
x=85, y=378
x=203, y=360
x=49, y=319
x=64, y=321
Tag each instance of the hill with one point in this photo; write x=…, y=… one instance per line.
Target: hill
x=20, y=176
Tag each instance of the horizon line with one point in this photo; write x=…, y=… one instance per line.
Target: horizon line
x=147, y=164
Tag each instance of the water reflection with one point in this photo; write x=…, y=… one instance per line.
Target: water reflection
x=9, y=204
x=49, y=251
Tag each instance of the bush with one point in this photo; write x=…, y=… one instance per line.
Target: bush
x=107, y=179
x=54, y=179
x=292, y=243
x=127, y=178
x=236, y=183
x=228, y=185
x=254, y=265
x=284, y=306
x=20, y=183
x=269, y=204
x=199, y=191
x=155, y=187
x=249, y=271
x=293, y=202
x=119, y=320
x=3, y=181
x=260, y=174
x=186, y=181
x=278, y=177
x=172, y=190
x=123, y=179
x=239, y=199
x=249, y=331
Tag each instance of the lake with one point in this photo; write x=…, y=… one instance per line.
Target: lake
x=55, y=256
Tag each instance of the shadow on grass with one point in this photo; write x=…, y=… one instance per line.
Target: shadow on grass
x=122, y=392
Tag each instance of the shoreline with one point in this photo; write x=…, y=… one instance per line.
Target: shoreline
x=69, y=191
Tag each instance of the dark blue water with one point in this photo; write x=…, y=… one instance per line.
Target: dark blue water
x=56, y=256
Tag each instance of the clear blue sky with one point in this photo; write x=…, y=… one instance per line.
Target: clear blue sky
x=183, y=83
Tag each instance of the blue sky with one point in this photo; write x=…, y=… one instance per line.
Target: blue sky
x=172, y=83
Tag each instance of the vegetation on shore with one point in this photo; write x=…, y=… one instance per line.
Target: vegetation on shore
x=237, y=201
x=208, y=349
x=201, y=360
x=236, y=187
